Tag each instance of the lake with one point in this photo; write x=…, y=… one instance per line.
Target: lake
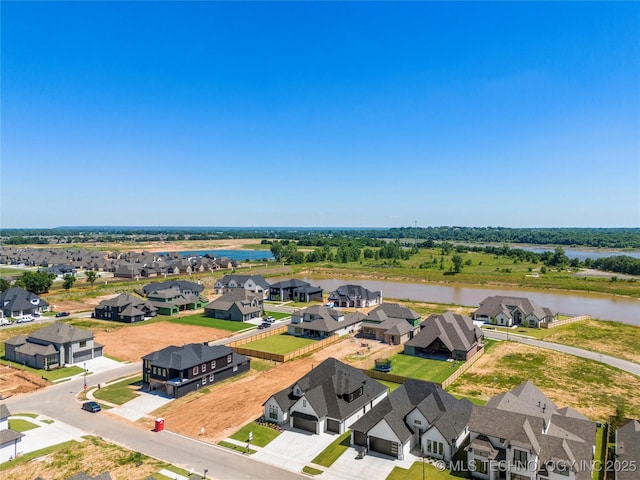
x=238, y=255
x=582, y=255
x=602, y=306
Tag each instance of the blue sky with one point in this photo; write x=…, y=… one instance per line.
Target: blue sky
x=320, y=114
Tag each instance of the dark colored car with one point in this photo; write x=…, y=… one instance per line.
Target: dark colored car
x=264, y=325
x=62, y=314
x=92, y=407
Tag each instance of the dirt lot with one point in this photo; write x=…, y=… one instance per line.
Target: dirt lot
x=80, y=305
x=231, y=405
x=14, y=382
x=132, y=343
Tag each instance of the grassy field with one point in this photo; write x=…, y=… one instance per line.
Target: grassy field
x=262, y=435
x=420, y=471
x=201, y=321
x=119, y=392
x=590, y=387
x=423, y=368
x=277, y=315
x=334, y=450
x=281, y=344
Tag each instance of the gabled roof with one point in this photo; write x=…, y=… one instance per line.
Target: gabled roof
x=442, y=410
x=4, y=411
x=17, y=340
x=292, y=283
x=187, y=356
x=9, y=435
x=527, y=399
x=327, y=319
x=238, y=296
x=457, y=332
x=392, y=310
x=182, y=285
x=628, y=448
x=122, y=300
x=492, y=306
x=17, y=298
x=59, y=332
x=351, y=292
x=242, y=279
x=327, y=386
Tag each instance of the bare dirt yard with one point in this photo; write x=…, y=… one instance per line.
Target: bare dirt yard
x=232, y=404
x=132, y=343
x=88, y=303
x=14, y=381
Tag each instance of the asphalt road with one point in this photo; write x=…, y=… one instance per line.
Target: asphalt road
x=578, y=352
x=59, y=402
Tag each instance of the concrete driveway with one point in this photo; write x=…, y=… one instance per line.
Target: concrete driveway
x=373, y=465
x=140, y=406
x=49, y=432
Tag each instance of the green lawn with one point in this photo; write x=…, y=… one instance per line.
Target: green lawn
x=20, y=425
x=390, y=385
x=281, y=344
x=601, y=444
x=334, y=450
x=118, y=393
x=423, y=368
x=237, y=448
x=277, y=315
x=51, y=375
x=262, y=435
x=311, y=471
x=419, y=471
x=202, y=321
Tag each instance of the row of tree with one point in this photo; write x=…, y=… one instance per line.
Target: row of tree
x=40, y=282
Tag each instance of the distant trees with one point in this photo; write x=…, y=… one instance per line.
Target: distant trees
x=91, y=276
x=457, y=263
x=67, y=281
x=36, y=282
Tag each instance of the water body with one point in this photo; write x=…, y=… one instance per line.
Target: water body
x=239, y=255
x=602, y=306
x=581, y=255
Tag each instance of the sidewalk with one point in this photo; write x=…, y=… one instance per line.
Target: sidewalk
x=48, y=432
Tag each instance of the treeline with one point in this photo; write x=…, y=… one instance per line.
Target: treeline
x=348, y=250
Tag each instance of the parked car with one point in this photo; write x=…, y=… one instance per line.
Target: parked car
x=92, y=407
x=264, y=325
x=5, y=321
x=330, y=304
x=62, y=314
x=24, y=319
x=270, y=319
x=36, y=315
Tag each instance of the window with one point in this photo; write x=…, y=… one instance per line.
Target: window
x=83, y=343
x=273, y=412
x=195, y=370
x=229, y=358
x=213, y=364
x=204, y=367
x=204, y=380
x=481, y=467
x=304, y=403
x=235, y=368
x=211, y=378
x=520, y=458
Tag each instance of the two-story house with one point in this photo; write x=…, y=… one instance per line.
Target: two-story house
x=252, y=283
x=170, y=301
x=9, y=439
x=16, y=302
x=294, y=290
x=238, y=305
x=125, y=308
x=176, y=371
x=391, y=323
x=522, y=435
x=53, y=346
x=355, y=296
x=184, y=286
x=509, y=311
x=330, y=398
x=419, y=414
x=319, y=321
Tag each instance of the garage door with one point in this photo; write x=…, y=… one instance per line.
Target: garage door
x=333, y=425
x=360, y=438
x=304, y=422
x=381, y=445
x=82, y=356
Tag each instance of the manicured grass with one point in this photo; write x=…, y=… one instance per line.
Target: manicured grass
x=334, y=450
x=420, y=470
x=390, y=385
x=237, y=448
x=262, y=435
x=311, y=471
x=31, y=415
x=601, y=444
x=118, y=393
x=20, y=425
x=277, y=315
x=423, y=368
x=201, y=321
x=281, y=344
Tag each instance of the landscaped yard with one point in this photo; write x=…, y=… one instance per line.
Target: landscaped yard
x=262, y=434
x=419, y=471
x=334, y=450
x=276, y=315
x=20, y=425
x=120, y=392
x=280, y=344
x=423, y=368
x=201, y=320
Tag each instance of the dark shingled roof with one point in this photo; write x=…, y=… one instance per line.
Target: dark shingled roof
x=241, y=279
x=492, y=306
x=59, y=332
x=628, y=449
x=351, y=292
x=442, y=410
x=182, y=285
x=17, y=298
x=457, y=332
x=292, y=283
x=181, y=358
x=325, y=388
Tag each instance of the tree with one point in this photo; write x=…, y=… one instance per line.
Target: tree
x=277, y=250
x=67, y=281
x=91, y=276
x=4, y=285
x=36, y=282
x=457, y=263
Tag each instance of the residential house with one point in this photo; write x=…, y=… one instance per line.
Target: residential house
x=9, y=439
x=53, y=346
x=170, y=301
x=125, y=308
x=319, y=321
x=294, y=290
x=509, y=311
x=252, y=283
x=391, y=323
x=448, y=335
x=176, y=371
x=419, y=414
x=16, y=302
x=628, y=451
x=355, y=296
x=61, y=270
x=238, y=305
x=329, y=398
x=128, y=270
x=184, y=286
x=522, y=435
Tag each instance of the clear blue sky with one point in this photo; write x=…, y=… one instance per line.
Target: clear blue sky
x=320, y=114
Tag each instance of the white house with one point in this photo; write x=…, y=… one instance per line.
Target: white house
x=9, y=439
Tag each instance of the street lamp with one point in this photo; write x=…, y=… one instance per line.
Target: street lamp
x=205, y=473
x=85, y=375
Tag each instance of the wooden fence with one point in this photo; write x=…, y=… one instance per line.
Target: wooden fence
x=387, y=377
x=278, y=357
x=564, y=322
x=466, y=366
x=267, y=333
